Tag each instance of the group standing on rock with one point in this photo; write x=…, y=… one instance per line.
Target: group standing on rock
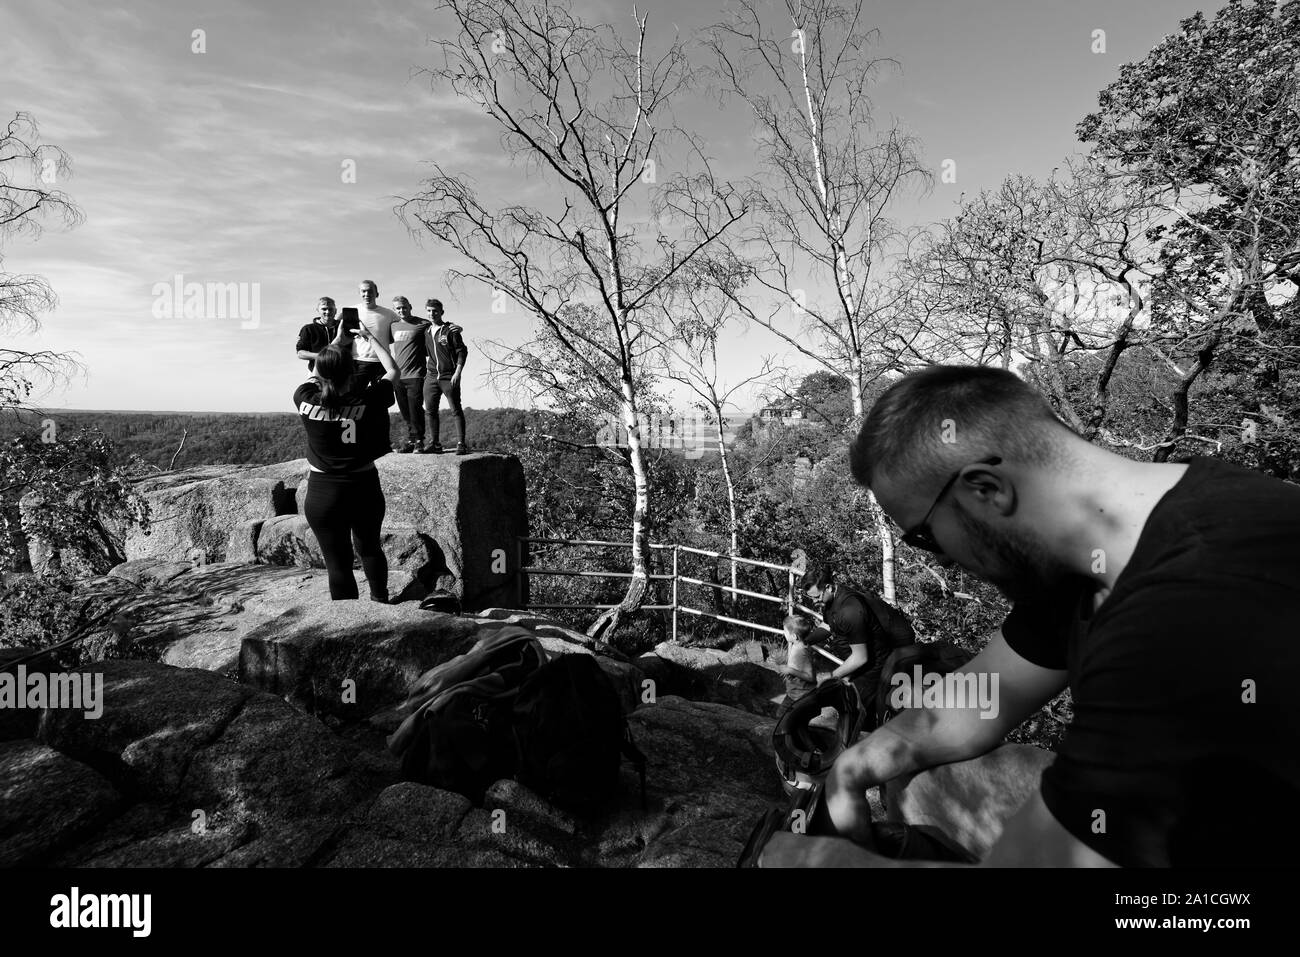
x=363, y=359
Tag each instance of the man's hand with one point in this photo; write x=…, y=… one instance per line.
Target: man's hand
x=847, y=806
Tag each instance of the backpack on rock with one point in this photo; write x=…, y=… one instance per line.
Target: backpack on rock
x=503, y=710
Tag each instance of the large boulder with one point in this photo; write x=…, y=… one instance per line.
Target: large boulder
x=474, y=507
x=970, y=801
x=452, y=518
x=287, y=540
x=150, y=572
x=215, y=772
x=730, y=677
x=32, y=824
x=416, y=564
x=350, y=658
x=194, y=511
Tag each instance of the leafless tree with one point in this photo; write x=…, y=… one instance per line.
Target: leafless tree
x=588, y=112
x=833, y=173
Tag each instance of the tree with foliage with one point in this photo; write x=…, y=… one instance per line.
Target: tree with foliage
x=1207, y=126
x=61, y=489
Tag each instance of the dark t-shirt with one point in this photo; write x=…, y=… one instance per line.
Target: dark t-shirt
x=314, y=337
x=409, y=348
x=856, y=617
x=363, y=418
x=1183, y=747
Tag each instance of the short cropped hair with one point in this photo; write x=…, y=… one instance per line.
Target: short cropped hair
x=372, y=284
x=403, y=300
x=325, y=299
x=820, y=575
x=433, y=302
x=799, y=625
x=943, y=417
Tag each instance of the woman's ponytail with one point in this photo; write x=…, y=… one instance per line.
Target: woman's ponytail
x=334, y=370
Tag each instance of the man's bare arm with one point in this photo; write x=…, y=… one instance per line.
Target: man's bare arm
x=1032, y=838
x=924, y=737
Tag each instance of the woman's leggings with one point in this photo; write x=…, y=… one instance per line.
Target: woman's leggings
x=337, y=506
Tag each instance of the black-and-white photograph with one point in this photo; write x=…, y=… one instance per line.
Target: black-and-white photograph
x=678, y=434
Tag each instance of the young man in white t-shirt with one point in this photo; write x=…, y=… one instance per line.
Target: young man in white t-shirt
x=379, y=321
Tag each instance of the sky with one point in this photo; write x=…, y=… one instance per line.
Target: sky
x=234, y=165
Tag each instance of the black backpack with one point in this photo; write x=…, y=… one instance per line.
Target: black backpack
x=458, y=731
x=934, y=657
x=571, y=735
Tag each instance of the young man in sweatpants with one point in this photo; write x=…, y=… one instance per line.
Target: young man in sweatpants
x=446, y=361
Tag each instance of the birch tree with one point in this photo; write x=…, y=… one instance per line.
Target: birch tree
x=834, y=173
x=698, y=311
x=585, y=110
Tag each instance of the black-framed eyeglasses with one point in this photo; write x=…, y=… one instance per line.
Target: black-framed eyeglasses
x=919, y=535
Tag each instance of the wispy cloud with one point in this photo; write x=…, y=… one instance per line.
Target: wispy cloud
x=228, y=165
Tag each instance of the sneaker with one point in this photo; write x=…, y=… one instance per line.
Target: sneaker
x=434, y=449
x=405, y=447
x=461, y=448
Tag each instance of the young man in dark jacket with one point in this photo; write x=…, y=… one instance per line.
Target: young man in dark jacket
x=318, y=333
x=446, y=360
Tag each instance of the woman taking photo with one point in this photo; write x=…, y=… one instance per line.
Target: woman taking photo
x=347, y=429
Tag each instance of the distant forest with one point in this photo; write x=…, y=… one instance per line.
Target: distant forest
x=242, y=438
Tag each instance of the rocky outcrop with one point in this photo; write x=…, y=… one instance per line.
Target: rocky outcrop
x=186, y=768
x=350, y=658
x=194, y=511
x=451, y=521
x=32, y=825
x=737, y=677
x=416, y=563
x=970, y=801
x=710, y=777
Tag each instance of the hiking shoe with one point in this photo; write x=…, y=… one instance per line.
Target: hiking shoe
x=434, y=449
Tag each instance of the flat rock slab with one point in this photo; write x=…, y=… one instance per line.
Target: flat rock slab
x=47, y=800
x=350, y=658
x=732, y=678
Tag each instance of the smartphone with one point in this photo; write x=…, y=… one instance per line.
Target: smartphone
x=350, y=318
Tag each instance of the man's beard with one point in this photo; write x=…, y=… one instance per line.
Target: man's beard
x=1025, y=568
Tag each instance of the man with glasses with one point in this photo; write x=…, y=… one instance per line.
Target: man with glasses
x=1164, y=595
